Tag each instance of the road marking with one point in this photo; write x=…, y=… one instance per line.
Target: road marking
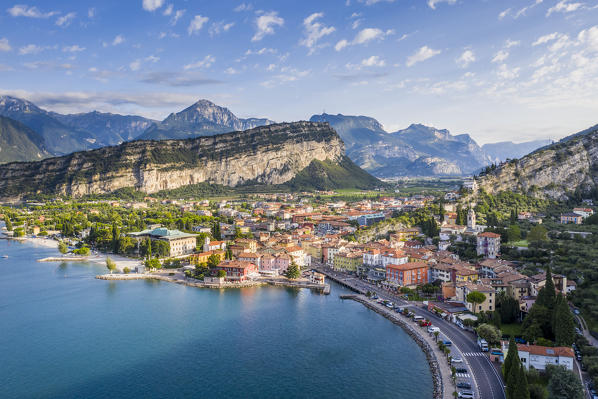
x=462, y=375
x=471, y=354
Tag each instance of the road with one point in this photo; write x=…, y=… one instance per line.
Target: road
x=487, y=378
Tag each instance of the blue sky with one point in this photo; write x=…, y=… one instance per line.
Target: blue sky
x=498, y=70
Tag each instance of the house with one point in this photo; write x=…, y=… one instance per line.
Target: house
x=238, y=270
x=464, y=289
x=370, y=219
x=584, y=212
x=213, y=245
x=539, y=357
x=571, y=217
x=396, y=257
x=202, y=257
x=410, y=274
x=405, y=234
x=488, y=244
x=317, y=278
x=180, y=243
x=250, y=257
x=571, y=286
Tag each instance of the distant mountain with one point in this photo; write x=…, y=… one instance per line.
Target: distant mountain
x=416, y=151
x=500, y=152
x=58, y=137
x=107, y=128
x=287, y=156
x=563, y=170
x=204, y=118
x=19, y=143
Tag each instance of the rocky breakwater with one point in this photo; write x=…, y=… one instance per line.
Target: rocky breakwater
x=271, y=154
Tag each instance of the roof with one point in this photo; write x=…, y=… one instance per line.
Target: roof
x=239, y=264
x=561, y=351
x=164, y=233
x=489, y=234
x=408, y=266
x=571, y=214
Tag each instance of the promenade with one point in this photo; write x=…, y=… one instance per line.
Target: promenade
x=485, y=378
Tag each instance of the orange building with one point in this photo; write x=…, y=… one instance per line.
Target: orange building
x=409, y=274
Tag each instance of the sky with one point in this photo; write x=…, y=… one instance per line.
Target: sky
x=496, y=69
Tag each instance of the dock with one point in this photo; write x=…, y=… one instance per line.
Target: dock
x=64, y=259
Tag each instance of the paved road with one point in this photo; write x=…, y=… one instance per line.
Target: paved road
x=487, y=378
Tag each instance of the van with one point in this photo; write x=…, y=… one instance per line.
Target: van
x=418, y=318
x=433, y=329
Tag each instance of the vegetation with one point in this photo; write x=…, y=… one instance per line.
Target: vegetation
x=62, y=247
x=476, y=298
x=83, y=251
x=293, y=271
x=111, y=265
x=563, y=384
x=490, y=333
x=514, y=374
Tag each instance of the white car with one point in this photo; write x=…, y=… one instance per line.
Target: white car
x=456, y=359
x=465, y=394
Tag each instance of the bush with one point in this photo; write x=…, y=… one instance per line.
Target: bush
x=83, y=251
x=126, y=270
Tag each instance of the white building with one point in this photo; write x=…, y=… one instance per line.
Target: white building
x=488, y=245
x=539, y=357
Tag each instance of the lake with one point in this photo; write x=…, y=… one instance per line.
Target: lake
x=65, y=334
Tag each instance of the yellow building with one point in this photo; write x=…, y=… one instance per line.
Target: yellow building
x=464, y=275
x=347, y=261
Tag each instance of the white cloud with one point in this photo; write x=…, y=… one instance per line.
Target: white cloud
x=287, y=75
x=118, y=40
x=177, y=15
x=341, y=44
x=512, y=43
x=152, y=5
x=73, y=49
x=135, y=65
x=91, y=12
x=152, y=58
x=504, y=72
x=66, y=20
x=30, y=49
x=504, y=13
x=500, y=56
x=243, y=7
x=546, y=38
x=364, y=36
x=432, y=3
x=374, y=60
x=422, y=54
x=207, y=62
x=314, y=31
x=168, y=10
x=30, y=12
x=466, y=58
x=372, y=2
x=219, y=27
x=589, y=38
x=563, y=6
x=265, y=24
x=231, y=71
x=4, y=45
x=196, y=24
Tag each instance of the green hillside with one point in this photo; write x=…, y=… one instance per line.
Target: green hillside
x=19, y=143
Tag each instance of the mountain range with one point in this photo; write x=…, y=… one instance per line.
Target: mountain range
x=417, y=150
x=563, y=170
x=288, y=156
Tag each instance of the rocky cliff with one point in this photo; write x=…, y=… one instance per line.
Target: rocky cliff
x=272, y=154
x=557, y=171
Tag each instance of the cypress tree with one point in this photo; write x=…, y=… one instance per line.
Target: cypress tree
x=563, y=325
x=512, y=357
x=149, y=248
x=547, y=295
x=8, y=223
x=521, y=388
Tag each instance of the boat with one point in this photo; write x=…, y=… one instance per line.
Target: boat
x=5, y=256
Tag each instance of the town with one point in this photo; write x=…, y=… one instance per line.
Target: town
x=481, y=267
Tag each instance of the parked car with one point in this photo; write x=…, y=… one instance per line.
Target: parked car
x=425, y=323
x=461, y=370
x=463, y=385
x=465, y=394
x=446, y=342
x=456, y=359
x=433, y=329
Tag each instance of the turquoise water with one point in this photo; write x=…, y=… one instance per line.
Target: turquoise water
x=64, y=334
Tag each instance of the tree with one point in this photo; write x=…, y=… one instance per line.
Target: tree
x=221, y=273
x=522, y=389
x=538, y=233
x=514, y=233
x=153, y=264
x=83, y=251
x=563, y=384
x=126, y=270
x=563, y=324
x=476, y=298
x=216, y=230
x=508, y=307
x=293, y=271
x=213, y=261
x=149, y=248
x=62, y=247
x=489, y=332
x=125, y=245
x=8, y=223
x=511, y=359
x=110, y=264
x=547, y=294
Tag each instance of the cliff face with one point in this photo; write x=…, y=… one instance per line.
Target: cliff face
x=271, y=154
x=555, y=171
